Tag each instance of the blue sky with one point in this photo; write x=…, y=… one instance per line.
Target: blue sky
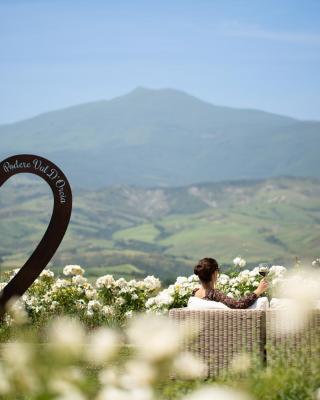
x=261, y=54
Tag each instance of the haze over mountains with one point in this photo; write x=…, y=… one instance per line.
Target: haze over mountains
x=165, y=138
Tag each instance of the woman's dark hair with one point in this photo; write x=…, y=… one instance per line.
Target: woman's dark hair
x=205, y=268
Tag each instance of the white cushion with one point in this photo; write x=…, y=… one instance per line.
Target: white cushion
x=262, y=303
x=195, y=303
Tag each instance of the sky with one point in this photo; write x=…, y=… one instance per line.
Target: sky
x=262, y=54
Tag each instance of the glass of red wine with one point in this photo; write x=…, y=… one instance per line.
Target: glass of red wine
x=263, y=269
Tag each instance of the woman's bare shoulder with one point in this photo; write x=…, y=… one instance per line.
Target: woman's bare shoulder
x=197, y=292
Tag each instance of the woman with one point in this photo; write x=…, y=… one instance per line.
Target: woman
x=207, y=270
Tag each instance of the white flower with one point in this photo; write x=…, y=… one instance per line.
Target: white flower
x=93, y=306
x=120, y=301
x=239, y=262
x=114, y=393
x=156, y=337
x=278, y=270
x=66, y=390
x=81, y=304
x=69, y=270
x=138, y=373
x=46, y=273
x=181, y=280
x=152, y=282
x=53, y=306
x=105, y=281
x=121, y=283
x=193, y=278
x=103, y=344
x=217, y=393
x=17, y=311
x=108, y=311
x=242, y=263
x=301, y=292
x=67, y=335
x=189, y=367
x=17, y=355
x=60, y=283
x=91, y=294
x=128, y=314
x=150, y=302
x=79, y=280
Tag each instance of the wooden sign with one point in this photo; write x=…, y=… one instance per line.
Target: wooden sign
x=25, y=163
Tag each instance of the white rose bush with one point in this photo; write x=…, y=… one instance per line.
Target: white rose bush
x=105, y=301
x=112, y=301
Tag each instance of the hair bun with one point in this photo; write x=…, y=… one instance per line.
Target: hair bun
x=197, y=268
x=205, y=268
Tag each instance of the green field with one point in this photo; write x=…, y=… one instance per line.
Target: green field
x=134, y=231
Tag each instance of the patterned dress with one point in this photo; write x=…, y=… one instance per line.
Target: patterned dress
x=216, y=295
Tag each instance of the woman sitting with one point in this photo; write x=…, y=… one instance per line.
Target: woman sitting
x=207, y=270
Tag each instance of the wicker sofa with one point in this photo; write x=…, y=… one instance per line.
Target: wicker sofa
x=223, y=334
x=296, y=345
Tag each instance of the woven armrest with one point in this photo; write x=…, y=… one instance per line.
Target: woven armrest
x=294, y=344
x=223, y=334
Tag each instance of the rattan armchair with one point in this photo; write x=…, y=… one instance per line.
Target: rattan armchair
x=294, y=345
x=223, y=334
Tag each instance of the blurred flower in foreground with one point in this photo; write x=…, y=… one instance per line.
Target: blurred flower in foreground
x=187, y=366
x=67, y=336
x=16, y=309
x=297, y=295
x=218, y=393
x=103, y=344
x=241, y=363
x=156, y=338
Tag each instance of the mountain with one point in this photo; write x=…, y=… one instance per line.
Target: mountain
x=165, y=138
x=131, y=231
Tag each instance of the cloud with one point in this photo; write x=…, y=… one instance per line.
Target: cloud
x=235, y=29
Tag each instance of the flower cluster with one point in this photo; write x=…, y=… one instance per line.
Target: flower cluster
x=105, y=301
x=174, y=296
x=239, y=262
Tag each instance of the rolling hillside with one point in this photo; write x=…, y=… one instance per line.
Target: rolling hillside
x=165, y=138
x=136, y=231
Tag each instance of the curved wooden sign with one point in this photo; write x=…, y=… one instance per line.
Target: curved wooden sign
x=58, y=225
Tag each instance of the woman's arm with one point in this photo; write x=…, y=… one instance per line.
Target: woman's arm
x=244, y=302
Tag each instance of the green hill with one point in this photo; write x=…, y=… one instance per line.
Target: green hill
x=163, y=231
x=166, y=138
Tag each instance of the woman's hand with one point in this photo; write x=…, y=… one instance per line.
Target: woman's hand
x=263, y=286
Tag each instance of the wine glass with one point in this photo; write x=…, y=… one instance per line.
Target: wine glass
x=263, y=269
